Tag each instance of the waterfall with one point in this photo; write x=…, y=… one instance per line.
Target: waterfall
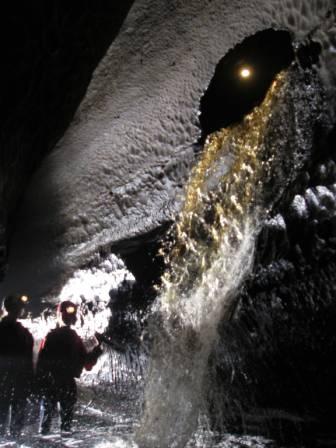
x=210, y=255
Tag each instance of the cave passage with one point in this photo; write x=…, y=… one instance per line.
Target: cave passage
x=242, y=78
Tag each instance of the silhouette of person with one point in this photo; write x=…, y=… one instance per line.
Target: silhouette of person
x=16, y=365
x=62, y=357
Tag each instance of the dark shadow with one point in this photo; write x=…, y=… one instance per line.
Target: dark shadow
x=308, y=53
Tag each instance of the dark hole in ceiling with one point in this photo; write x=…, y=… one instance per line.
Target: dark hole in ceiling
x=230, y=95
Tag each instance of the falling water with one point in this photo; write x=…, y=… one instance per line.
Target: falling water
x=210, y=256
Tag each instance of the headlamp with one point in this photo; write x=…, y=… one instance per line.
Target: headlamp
x=24, y=299
x=70, y=309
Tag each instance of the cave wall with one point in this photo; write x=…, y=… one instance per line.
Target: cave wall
x=273, y=368
x=49, y=51
x=119, y=170
x=115, y=179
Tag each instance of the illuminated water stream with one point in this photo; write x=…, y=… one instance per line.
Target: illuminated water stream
x=211, y=254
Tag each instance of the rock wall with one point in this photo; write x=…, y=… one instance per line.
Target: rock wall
x=119, y=170
x=49, y=51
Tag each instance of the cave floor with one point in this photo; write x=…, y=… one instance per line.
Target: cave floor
x=109, y=421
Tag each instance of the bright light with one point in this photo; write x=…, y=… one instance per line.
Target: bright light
x=245, y=72
x=24, y=299
x=70, y=309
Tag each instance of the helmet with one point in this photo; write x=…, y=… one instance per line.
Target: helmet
x=68, y=312
x=14, y=302
x=67, y=308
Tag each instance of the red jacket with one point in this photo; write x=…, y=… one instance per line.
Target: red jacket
x=63, y=354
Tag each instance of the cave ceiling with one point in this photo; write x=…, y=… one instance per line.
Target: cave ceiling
x=118, y=171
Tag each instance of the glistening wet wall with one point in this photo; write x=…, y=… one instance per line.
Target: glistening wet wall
x=275, y=359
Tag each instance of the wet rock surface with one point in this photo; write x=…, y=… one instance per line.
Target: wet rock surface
x=278, y=353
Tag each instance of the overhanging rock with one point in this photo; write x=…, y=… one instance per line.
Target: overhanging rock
x=119, y=171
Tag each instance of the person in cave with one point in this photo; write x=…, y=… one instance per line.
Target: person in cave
x=16, y=365
x=61, y=359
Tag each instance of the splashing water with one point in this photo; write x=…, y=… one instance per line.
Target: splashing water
x=212, y=253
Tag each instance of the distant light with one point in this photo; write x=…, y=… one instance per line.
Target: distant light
x=245, y=72
x=70, y=309
x=24, y=299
